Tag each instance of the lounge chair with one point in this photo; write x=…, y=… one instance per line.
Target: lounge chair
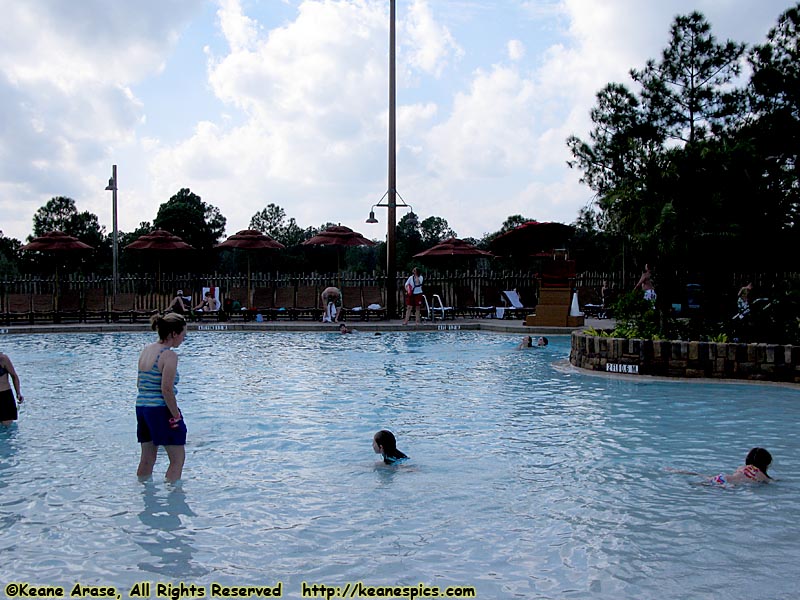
x=69, y=306
x=18, y=307
x=307, y=303
x=374, y=305
x=284, y=302
x=492, y=296
x=123, y=306
x=467, y=306
x=42, y=307
x=237, y=303
x=95, y=305
x=352, y=305
x=593, y=307
x=264, y=303
x=514, y=308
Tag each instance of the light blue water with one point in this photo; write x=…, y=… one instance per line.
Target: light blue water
x=527, y=480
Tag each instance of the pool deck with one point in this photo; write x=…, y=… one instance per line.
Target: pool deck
x=514, y=326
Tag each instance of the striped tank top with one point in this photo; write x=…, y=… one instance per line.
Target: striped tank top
x=149, y=384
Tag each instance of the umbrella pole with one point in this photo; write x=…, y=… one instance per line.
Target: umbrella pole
x=248, y=280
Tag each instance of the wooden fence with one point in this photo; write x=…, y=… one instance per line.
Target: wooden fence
x=485, y=286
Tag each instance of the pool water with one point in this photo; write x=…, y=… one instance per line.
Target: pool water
x=527, y=478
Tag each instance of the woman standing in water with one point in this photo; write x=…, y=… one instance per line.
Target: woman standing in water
x=159, y=420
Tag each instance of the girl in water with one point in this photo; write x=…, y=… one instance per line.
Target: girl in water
x=754, y=470
x=385, y=444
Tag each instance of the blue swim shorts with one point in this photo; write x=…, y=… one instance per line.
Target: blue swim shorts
x=8, y=406
x=152, y=425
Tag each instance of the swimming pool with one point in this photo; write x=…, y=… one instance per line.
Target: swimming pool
x=527, y=479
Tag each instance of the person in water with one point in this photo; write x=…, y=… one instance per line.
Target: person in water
x=542, y=341
x=754, y=470
x=385, y=444
x=8, y=406
x=527, y=342
x=159, y=421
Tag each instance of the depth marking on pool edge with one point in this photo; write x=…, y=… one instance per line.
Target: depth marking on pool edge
x=212, y=328
x=449, y=327
x=3, y=330
x=619, y=368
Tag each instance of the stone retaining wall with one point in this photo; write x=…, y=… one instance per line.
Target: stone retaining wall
x=765, y=362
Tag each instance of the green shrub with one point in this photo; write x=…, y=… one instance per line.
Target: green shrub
x=636, y=317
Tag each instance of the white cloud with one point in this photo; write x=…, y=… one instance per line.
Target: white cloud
x=66, y=70
x=240, y=31
x=490, y=130
x=431, y=43
x=516, y=50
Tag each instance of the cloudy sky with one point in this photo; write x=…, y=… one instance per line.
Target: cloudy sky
x=251, y=102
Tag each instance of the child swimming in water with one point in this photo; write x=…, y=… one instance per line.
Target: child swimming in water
x=754, y=470
x=385, y=444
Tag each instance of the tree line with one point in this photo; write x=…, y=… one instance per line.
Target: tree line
x=202, y=226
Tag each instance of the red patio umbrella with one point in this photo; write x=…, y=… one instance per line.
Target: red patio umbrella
x=159, y=241
x=532, y=237
x=453, y=247
x=55, y=242
x=250, y=239
x=338, y=235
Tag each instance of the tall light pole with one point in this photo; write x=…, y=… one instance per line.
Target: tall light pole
x=112, y=187
x=391, y=241
x=391, y=194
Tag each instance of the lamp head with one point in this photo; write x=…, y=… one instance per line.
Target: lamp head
x=111, y=185
x=372, y=218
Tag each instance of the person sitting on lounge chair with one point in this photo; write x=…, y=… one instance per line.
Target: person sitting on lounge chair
x=209, y=304
x=178, y=304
